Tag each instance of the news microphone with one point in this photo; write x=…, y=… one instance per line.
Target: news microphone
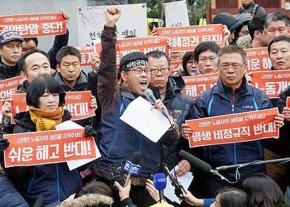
x=151, y=98
x=160, y=181
x=179, y=189
x=201, y=165
x=133, y=167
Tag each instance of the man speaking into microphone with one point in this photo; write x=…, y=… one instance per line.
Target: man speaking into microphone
x=118, y=140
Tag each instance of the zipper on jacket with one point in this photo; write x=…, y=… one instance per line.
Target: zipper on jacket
x=233, y=111
x=32, y=179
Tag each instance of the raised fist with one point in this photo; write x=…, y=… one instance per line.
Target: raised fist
x=112, y=16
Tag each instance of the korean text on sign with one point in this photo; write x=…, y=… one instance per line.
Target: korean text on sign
x=258, y=59
x=9, y=86
x=45, y=147
x=35, y=25
x=187, y=38
x=273, y=82
x=77, y=103
x=195, y=85
x=233, y=128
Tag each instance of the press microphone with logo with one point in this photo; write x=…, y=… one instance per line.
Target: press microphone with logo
x=132, y=167
x=151, y=98
x=160, y=181
x=201, y=165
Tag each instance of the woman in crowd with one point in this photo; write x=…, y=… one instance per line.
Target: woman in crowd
x=188, y=65
x=54, y=182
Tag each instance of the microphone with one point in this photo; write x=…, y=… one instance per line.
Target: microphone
x=179, y=189
x=160, y=181
x=133, y=167
x=201, y=165
x=151, y=98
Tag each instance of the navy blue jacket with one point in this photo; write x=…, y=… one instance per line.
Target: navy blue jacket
x=119, y=140
x=55, y=182
x=219, y=100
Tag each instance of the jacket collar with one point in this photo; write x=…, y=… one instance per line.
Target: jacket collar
x=81, y=83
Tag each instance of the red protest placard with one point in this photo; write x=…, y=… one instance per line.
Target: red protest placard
x=77, y=103
x=187, y=38
x=46, y=147
x=273, y=82
x=139, y=44
x=258, y=59
x=195, y=85
x=9, y=86
x=1, y=115
x=34, y=25
x=86, y=53
x=233, y=128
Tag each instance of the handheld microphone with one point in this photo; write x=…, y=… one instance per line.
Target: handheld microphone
x=133, y=167
x=160, y=183
x=179, y=189
x=201, y=165
x=151, y=98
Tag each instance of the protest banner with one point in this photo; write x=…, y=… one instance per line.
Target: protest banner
x=273, y=82
x=9, y=86
x=176, y=14
x=195, y=85
x=288, y=102
x=91, y=22
x=142, y=44
x=46, y=147
x=35, y=25
x=233, y=128
x=76, y=102
x=187, y=38
x=258, y=59
x=86, y=54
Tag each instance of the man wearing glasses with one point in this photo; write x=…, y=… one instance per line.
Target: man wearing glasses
x=232, y=94
x=205, y=57
x=118, y=140
x=168, y=89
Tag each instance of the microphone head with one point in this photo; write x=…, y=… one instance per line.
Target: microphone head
x=160, y=181
x=136, y=158
x=195, y=162
x=148, y=93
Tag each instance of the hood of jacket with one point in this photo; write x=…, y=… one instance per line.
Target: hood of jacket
x=92, y=200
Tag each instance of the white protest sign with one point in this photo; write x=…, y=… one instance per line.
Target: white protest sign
x=176, y=14
x=91, y=20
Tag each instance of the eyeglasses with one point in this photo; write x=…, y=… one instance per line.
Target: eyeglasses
x=139, y=71
x=233, y=66
x=156, y=71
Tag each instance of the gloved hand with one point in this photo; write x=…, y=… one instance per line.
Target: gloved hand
x=90, y=131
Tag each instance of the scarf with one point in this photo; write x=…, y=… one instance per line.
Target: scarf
x=45, y=120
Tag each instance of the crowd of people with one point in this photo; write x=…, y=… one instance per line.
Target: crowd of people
x=47, y=76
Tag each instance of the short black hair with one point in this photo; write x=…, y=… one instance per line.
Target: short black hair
x=278, y=39
x=22, y=63
x=38, y=87
x=257, y=24
x=229, y=197
x=205, y=46
x=34, y=39
x=158, y=54
x=68, y=50
x=277, y=16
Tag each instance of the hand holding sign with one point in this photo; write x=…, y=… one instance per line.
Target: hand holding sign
x=186, y=131
x=279, y=120
x=112, y=16
x=286, y=112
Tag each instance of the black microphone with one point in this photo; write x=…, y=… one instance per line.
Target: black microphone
x=133, y=166
x=201, y=165
x=179, y=189
x=151, y=98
